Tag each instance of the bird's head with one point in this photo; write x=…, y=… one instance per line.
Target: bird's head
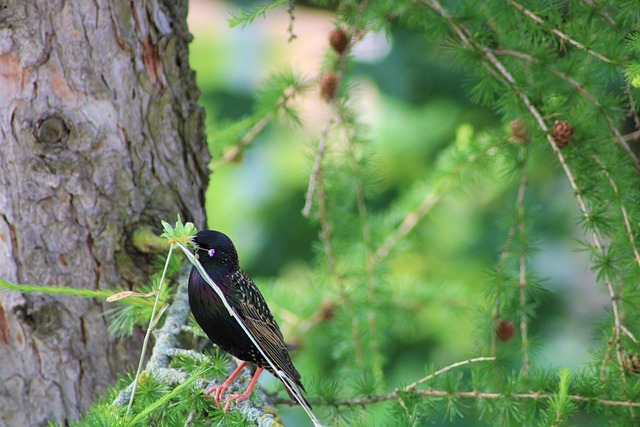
x=216, y=250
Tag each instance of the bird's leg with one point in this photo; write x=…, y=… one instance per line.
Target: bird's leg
x=246, y=394
x=222, y=388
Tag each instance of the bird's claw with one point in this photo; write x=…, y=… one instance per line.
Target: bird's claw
x=219, y=390
x=237, y=397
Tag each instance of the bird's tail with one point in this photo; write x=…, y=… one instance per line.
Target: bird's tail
x=296, y=392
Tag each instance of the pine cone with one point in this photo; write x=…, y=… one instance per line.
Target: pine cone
x=632, y=363
x=505, y=330
x=338, y=40
x=328, y=86
x=519, y=132
x=561, y=133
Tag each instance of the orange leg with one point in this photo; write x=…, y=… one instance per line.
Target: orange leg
x=222, y=388
x=246, y=394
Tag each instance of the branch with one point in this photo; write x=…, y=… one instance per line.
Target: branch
x=493, y=60
x=522, y=283
x=317, y=169
x=236, y=150
x=625, y=216
x=429, y=201
x=415, y=384
x=557, y=32
x=606, y=16
x=620, y=139
x=478, y=395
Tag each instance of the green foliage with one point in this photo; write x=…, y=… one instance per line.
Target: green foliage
x=538, y=67
x=445, y=231
x=249, y=14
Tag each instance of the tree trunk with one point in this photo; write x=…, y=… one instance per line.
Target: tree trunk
x=100, y=134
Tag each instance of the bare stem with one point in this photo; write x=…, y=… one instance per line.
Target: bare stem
x=152, y=322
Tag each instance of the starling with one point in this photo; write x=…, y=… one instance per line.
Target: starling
x=219, y=259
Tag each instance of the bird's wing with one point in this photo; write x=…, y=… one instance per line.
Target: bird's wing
x=258, y=319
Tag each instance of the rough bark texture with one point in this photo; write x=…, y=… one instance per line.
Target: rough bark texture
x=99, y=133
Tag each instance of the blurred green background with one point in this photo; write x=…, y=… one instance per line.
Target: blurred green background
x=415, y=104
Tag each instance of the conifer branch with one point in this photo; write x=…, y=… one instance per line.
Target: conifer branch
x=235, y=151
x=429, y=201
x=349, y=138
x=621, y=140
x=431, y=376
x=479, y=395
x=599, y=245
x=592, y=4
x=504, y=253
x=409, y=222
x=411, y=388
x=522, y=283
x=317, y=181
x=325, y=236
x=625, y=217
x=317, y=169
x=560, y=34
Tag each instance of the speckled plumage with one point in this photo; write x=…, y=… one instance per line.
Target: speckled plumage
x=219, y=258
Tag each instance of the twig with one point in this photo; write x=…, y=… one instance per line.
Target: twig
x=478, y=395
x=290, y=9
x=609, y=19
x=620, y=139
x=625, y=215
x=557, y=32
x=429, y=201
x=366, y=240
x=522, y=284
x=633, y=136
x=232, y=153
x=317, y=169
x=415, y=384
x=152, y=323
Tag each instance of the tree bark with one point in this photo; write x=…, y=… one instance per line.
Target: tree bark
x=100, y=133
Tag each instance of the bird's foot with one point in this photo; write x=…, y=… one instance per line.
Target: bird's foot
x=219, y=391
x=237, y=397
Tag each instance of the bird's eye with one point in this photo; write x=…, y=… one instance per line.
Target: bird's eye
x=211, y=252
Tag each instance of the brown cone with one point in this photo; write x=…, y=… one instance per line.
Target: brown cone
x=561, y=133
x=505, y=330
x=338, y=40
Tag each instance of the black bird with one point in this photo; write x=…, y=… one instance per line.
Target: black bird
x=219, y=259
